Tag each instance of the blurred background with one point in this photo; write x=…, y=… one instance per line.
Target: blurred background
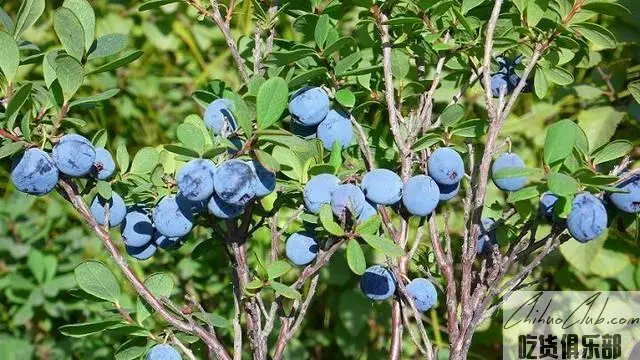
x=42, y=240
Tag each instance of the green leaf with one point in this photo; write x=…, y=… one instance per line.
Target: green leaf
x=346, y=63
x=473, y=128
x=403, y=20
x=335, y=159
x=161, y=286
x=326, y=219
x=277, y=269
x=426, y=142
x=191, y=137
x=469, y=4
x=535, y=11
x=307, y=75
x=452, y=114
x=511, y=172
x=271, y=101
x=126, y=59
x=132, y=349
x=540, y=84
x=526, y=193
x=70, y=32
x=213, y=152
x=100, y=138
x=284, y=290
x=267, y=161
x=86, y=329
x=181, y=150
x=107, y=45
x=559, y=76
x=10, y=58
x=154, y=4
x=6, y=21
x=597, y=34
x=355, y=257
x=399, y=64
x=370, y=226
x=559, y=142
x=84, y=12
x=97, y=280
x=95, y=98
x=338, y=44
x=606, y=8
x=10, y=149
x=104, y=189
x=345, y=98
x=19, y=99
x=281, y=58
x=600, y=123
x=145, y=161
x=255, y=284
x=384, y=245
x=322, y=30
x=30, y=11
x=70, y=75
x=634, y=89
x=562, y=185
x=122, y=157
x=614, y=150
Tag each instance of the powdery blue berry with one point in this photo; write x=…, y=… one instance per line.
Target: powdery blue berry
x=223, y=210
x=74, y=155
x=142, y=252
x=505, y=161
x=420, y=195
x=448, y=192
x=630, y=201
x=265, y=179
x=487, y=236
x=195, y=179
x=218, y=116
x=377, y=283
x=34, y=173
x=347, y=197
x=446, y=166
x=547, y=202
x=104, y=167
x=368, y=211
x=117, y=209
x=136, y=228
x=309, y=106
x=234, y=182
x=163, y=352
x=335, y=127
x=317, y=191
x=587, y=218
x=423, y=293
x=301, y=248
x=173, y=216
x=382, y=186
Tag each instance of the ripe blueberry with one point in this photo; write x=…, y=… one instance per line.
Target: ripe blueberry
x=382, y=186
x=301, y=248
x=423, y=293
x=309, y=106
x=377, y=283
x=117, y=209
x=420, y=195
x=347, y=197
x=317, y=191
x=587, y=218
x=34, y=173
x=195, y=179
x=335, y=127
x=504, y=161
x=234, y=182
x=218, y=116
x=446, y=166
x=173, y=216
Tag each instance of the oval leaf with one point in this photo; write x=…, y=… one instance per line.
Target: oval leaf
x=97, y=280
x=271, y=101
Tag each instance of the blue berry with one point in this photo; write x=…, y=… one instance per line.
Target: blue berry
x=377, y=283
x=420, y=195
x=382, y=186
x=142, y=252
x=446, y=166
x=335, y=127
x=547, y=202
x=234, y=182
x=223, y=210
x=136, y=228
x=487, y=236
x=163, y=352
x=499, y=81
x=218, y=116
x=368, y=210
x=504, y=161
x=347, y=197
x=34, y=173
x=166, y=242
x=423, y=293
x=195, y=179
x=317, y=191
x=448, y=192
x=117, y=209
x=309, y=106
x=587, y=218
x=74, y=155
x=630, y=201
x=103, y=167
x=301, y=248
x=265, y=179
x=173, y=216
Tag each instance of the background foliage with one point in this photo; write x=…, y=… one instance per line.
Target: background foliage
x=42, y=241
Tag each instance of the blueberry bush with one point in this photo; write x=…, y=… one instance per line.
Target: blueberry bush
x=184, y=179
